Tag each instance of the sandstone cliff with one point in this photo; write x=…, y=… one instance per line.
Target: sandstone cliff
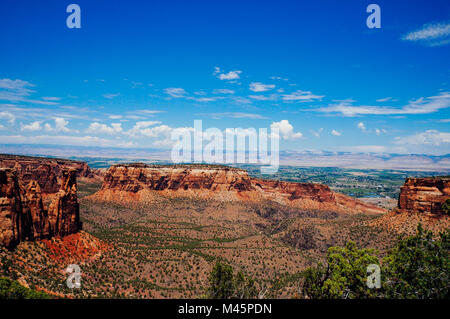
x=134, y=182
x=23, y=215
x=420, y=201
x=47, y=172
x=424, y=195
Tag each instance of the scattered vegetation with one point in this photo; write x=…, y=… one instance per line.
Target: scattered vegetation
x=11, y=289
x=343, y=276
x=416, y=268
x=446, y=206
x=224, y=285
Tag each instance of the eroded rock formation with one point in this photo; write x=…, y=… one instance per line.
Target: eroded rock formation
x=23, y=216
x=63, y=212
x=424, y=195
x=420, y=201
x=136, y=177
x=135, y=182
x=47, y=172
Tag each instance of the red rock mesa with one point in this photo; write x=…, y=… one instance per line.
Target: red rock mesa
x=135, y=182
x=47, y=172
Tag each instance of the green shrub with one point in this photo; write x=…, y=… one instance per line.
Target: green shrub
x=419, y=267
x=10, y=289
x=343, y=276
x=446, y=206
x=223, y=285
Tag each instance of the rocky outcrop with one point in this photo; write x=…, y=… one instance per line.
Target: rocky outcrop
x=293, y=191
x=424, y=195
x=136, y=182
x=63, y=212
x=420, y=201
x=15, y=219
x=47, y=172
x=23, y=215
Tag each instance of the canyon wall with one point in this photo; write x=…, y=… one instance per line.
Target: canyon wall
x=23, y=216
x=134, y=182
x=424, y=195
x=47, y=172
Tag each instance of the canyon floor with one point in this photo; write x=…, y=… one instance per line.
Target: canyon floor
x=166, y=248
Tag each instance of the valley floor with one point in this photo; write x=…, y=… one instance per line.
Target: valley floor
x=166, y=248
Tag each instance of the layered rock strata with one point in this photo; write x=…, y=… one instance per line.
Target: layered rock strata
x=23, y=215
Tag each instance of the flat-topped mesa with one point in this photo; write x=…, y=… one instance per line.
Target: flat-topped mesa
x=424, y=195
x=47, y=172
x=182, y=178
x=23, y=215
x=136, y=182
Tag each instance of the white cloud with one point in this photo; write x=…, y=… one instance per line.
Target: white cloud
x=237, y=115
x=429, y=137
x=317, y=133
x=223, y=91
x=110, y=95
x=361, y=126
x=19, y=90
x=432, y=34
x=140, y=126
x=345, y=100
x=271, y=97
x=161, y=131
x=385, y=99
x=60, y=125
x=286, y=130
x=175, y=92
x=14, y=84
x=231, y=75
x=96, y=127
x=260, y=87
x=51, y=98
x=65, y=140
x=115, y=117
x=336, y=133
x=301, y=96
x=423, y=105
x=8, y=116
x=35, y=126
x=142, y=114
x=204, y=99
x=278, y=78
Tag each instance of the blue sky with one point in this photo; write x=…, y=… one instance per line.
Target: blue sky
x=137, y=70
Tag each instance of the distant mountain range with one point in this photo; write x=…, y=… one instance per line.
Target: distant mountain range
x=308, y=158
